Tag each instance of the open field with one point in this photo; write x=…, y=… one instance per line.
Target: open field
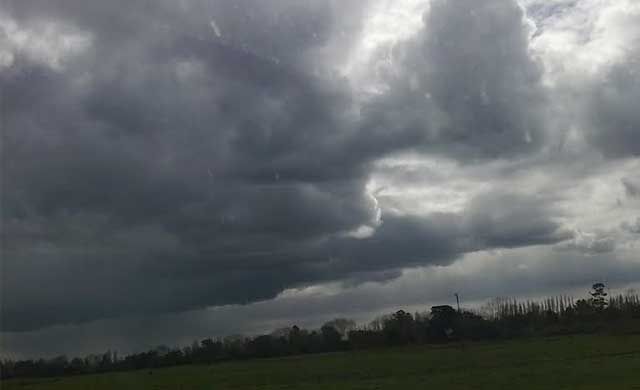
x=568, y=362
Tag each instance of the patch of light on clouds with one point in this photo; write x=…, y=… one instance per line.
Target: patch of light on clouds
x=420, y=185
x=318, y=290
x=361, y=232
x=6, y=58
x=578, y=37
x=367, y=230
x=189, y=69
x=599, y=201
x=388, y=22
x=589, y=205
x=215, y=28
x=582, y=36
x=48, y=43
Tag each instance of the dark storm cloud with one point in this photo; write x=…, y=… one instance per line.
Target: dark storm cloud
x=278, y=30
x=631, y=187
x=614, y=118
x=154, y=278
x=495, y=220
x=466, y=85
x=175, y=155
x=170, y=167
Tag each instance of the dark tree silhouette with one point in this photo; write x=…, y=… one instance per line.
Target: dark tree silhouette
x=503, y=318
x=442, y=324
x=330, y=336
x=599, y=296
x=399, y=328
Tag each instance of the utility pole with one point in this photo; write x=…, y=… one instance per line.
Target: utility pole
x=457, y=301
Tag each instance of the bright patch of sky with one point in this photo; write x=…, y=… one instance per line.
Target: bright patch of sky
x=582, y=36
x=389, y=22
x=48, y=43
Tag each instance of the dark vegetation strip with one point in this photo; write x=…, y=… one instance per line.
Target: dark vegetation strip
x=502, y=319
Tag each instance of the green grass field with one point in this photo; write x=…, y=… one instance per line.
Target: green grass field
x=569, y=362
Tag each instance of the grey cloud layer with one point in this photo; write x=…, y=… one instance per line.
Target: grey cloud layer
x=169, y=167
x=614, y=119
x=471, y=92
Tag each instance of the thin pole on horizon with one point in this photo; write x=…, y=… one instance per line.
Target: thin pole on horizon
x=457, y=301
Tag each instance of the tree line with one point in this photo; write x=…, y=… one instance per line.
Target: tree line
x=502, y=318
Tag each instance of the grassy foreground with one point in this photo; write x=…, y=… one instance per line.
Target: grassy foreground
x=568, y=362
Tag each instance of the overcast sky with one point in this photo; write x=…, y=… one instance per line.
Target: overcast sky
x=173, y=170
